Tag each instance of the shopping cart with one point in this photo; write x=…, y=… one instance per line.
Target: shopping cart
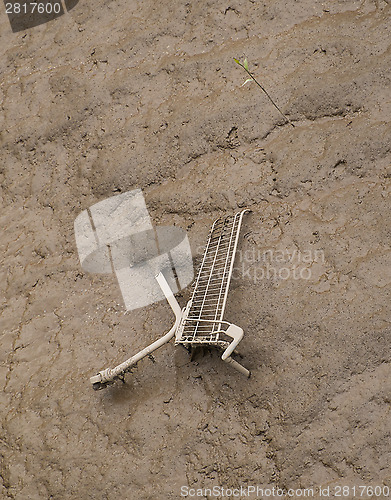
x=201, y=322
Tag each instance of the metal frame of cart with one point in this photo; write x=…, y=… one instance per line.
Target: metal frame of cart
x=201, y=321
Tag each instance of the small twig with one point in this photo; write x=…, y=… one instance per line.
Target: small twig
x=245, y=67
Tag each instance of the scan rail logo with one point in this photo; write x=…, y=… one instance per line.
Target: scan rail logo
x=24, y=14
x=116, y=235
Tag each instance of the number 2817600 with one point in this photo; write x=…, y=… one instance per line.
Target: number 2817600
x=362, y=491
x=33, y=8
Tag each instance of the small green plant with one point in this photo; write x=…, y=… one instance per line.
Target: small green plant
x=252, y=78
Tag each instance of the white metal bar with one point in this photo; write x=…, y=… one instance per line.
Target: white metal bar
x=212, y=268
x=238, y=367
x=169, y=295
x=225, y=267
x=205, y=254
x=106, y=376
x=234, y=252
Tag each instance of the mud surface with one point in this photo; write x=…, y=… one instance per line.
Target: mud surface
x=121, y=95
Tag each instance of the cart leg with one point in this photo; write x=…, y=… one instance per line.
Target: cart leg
x=236, y=333
x=238, y=366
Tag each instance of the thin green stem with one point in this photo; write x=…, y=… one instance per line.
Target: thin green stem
x=264, y=90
